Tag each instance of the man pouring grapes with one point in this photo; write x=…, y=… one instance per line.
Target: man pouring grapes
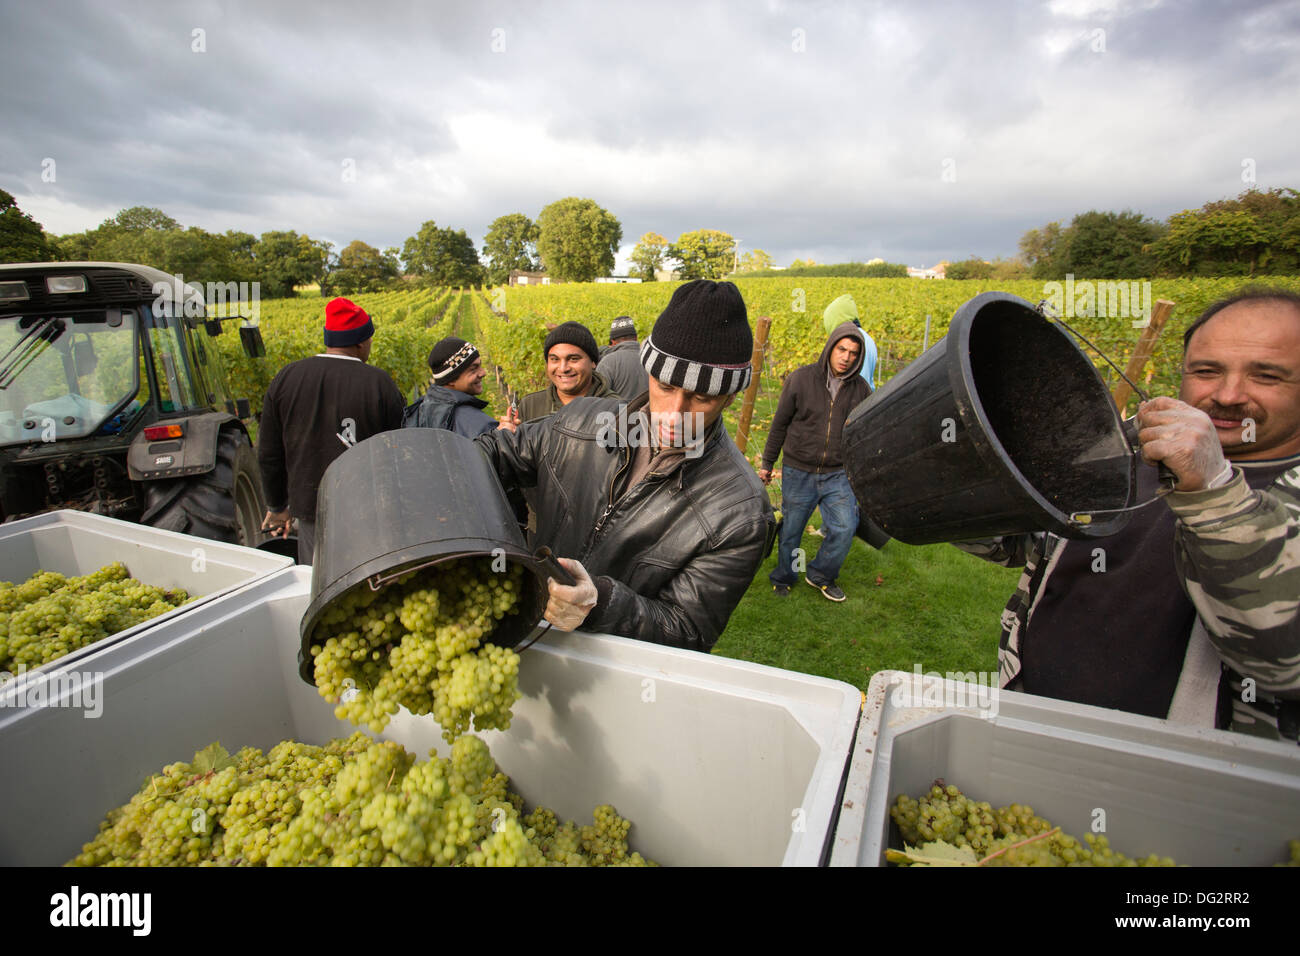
x=1195, y=616
x=652, y=508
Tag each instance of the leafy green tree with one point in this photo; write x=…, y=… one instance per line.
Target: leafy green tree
x=648, y=255
x=972, y=268
x=1039, y=247
x=577, y=239
x=1110, y=245
x=21, y=237
x=1256, y=232
x=139, y=234
x=704, y=254
x=1004, y=269
x=361, y=268
x=755, y=261
x=142, y=219
x=201, y=256
x=286, y=259
x=444, y=257
x=510, y=243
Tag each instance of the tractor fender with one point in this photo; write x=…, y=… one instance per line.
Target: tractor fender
x=193, y=454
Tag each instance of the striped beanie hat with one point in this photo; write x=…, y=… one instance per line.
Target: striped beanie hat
x=702, y=342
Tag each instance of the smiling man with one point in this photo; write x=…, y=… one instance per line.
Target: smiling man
x=1193, y=613
x=571, y=355
x=452, y=401
x=654, y=510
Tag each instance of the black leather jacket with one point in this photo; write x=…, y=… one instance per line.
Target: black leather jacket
x=670, y=560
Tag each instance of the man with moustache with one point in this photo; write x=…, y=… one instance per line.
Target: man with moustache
x=1193, y=615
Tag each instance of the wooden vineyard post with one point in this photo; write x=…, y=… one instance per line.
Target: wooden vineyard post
x=1142, y=354
x=751, y=393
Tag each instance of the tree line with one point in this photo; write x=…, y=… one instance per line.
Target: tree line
x=572, y=239
x=1257, y=233
x=576, y=240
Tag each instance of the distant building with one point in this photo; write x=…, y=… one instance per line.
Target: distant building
x=667, y=275
x=519, y=277
x=618, y=279
x=936, y=273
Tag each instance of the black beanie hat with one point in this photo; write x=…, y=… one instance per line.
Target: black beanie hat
x=448, y=358
x=572, y=333
x=702, y=341
x=622, y=328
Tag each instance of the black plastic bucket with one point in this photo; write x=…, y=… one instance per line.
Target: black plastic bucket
x=410, y=498
x=285, y=547
x=1003, y=426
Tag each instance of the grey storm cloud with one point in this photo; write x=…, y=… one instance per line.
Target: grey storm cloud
x=839, y=130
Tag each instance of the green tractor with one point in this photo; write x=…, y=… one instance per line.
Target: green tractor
x=112, y=402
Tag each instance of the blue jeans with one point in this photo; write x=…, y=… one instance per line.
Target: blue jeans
x=801, y=493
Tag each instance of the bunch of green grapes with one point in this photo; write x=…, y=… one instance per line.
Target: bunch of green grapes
x=353, y=802
x=49, y=615
x=418, y=644
x=1008, y=836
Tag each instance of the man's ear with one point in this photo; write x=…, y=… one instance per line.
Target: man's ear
x=727, y=404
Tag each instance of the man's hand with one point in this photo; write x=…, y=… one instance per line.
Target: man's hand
x=510, y=420
x=1183, y=438
x=765, y=475
x=277, y=522
x=569, y=606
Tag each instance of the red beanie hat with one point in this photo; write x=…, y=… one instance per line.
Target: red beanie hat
x=346, y=323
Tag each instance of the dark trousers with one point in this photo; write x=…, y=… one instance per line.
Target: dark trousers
x=306, y=541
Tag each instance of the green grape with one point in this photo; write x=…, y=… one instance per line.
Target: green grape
x=417, y=644
x=49, y=616
x=1008, y=836
x=353, y=802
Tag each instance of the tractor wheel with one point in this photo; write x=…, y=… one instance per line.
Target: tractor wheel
x=224, y=505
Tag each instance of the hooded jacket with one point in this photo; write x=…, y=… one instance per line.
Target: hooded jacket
x=809, y=419
x=671, y=557
x=449, y=408
x=844, y=309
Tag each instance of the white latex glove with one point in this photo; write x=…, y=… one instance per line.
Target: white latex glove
x=569, y=606
x=1183, y=438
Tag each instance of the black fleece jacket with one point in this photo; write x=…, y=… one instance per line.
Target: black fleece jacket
x=808, y=421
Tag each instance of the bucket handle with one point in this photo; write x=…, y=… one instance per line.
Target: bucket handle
x=1168, y=481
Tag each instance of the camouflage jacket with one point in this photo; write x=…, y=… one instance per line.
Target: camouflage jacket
x=1238, y=560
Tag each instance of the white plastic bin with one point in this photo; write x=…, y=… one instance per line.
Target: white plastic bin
x=1203, y=797
x=714, y=761
x=74, y=543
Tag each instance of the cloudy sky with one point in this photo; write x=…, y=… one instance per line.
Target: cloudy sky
x=837, y=130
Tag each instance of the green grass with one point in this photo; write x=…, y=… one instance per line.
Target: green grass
x=932, y=605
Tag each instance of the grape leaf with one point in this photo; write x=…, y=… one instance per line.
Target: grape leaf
x=212, y=758
x=938, y=853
